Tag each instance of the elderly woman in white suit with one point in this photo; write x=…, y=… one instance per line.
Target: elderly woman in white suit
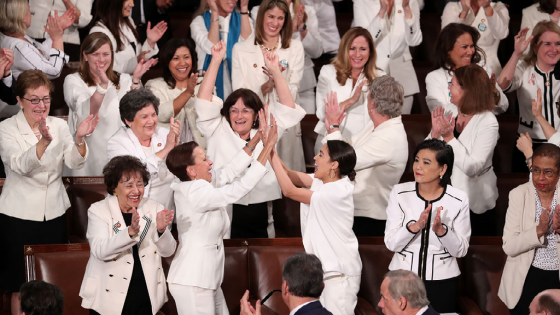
x=229, y=125
x=490, y=18
x=473, y=135
x=34, y=147
x=542, y=10
x=128, y=51
x=96, y=90
x=201, y=196
x=127, y=235
x=141, y=137
x=394, y=26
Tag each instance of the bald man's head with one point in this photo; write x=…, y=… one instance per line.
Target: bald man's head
x=547, y=302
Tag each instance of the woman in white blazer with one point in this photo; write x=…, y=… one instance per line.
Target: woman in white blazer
x=381, y=149
x=142, y=138
x=112, y=17
x=394, y=29
x=33, y=147
x=127, y=235
x=201, y=196
x=48, y=56
x=305, y=28
x=177, y=88
x=428, y=224
x=96, y=90
x=490, y=18
x=327, y=213
x=473, y=134
x=349, y=75
x=457, y=47
x=542, y=10
x=229, y=125
x=217, y=20
x=41, y=10
x=531, y=234
x=273, y=33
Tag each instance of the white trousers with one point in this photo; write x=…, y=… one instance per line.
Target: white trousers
x=407, y=104
x=340, y=294
x=194, y=300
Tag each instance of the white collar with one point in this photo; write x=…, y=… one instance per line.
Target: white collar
x=422, y=310
x=300, y=306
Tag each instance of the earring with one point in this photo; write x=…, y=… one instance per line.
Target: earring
x=115, y=194
x=332, y=177
x=440, y=176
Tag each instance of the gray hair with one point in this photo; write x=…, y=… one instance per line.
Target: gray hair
x=304, y=275
x=134, y=101
x=408, y=285
x=387, y=96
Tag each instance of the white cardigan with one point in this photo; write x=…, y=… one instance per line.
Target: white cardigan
x=440, y=253
x=437, y=88
x=124, y=142
x=392, y=39
x=202, y=221
x=382, y=154
x=41, y=9
x=77, y=96
x=472, y=170
x=110, y=263
x=492, y=29
x=224, y=143
x=126, y=60
x=33, y=189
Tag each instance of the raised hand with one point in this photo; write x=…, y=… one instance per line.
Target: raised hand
x=247, y=308
x=219, y=50
x=101, y=73
x=447, y=125
x=333, y=113
x=466, y=5
x=86, y=127
x=268, y=85
x=438, y=227
x=141, y=68
x=405, y=4
x=192, y=82
x=53, y=27
x=44, y=130
x=134, y=227
x=436, y=114
x=155, y=33
x=556, y=220
x=67, y=18
x=525, y=145
x=244, y=5
x=142, y=56
x=536, y=105
x=271, y=61
x=272, y=136
x=164, y=219
x=212, y=4
x=422, y=221
x=263, y=123
x=485, y=3
x=356, y=96
x=521, y=42
x=544, y=222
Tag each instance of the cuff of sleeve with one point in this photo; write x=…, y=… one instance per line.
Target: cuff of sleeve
x=446, y=230
x=410, y=22
x=334, y=136
x=408, y=229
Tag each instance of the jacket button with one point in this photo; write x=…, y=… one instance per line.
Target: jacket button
x=216, y=246
x=107, y=290
x=400, y=11
x=254, y=65
x=155, y=252
x=388, y=56
x=158, y=282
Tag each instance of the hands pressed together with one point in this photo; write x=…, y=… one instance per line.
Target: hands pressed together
x=422, y=221
x=545, y=225
x=442, y=126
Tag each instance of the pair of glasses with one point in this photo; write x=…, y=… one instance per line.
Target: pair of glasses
x=46, y=100
x=244, y=112
x=547, y=173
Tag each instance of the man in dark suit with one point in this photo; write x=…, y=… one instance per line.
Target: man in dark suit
x=302, y=286
x=153, y=11
x=546, y=302
x=403, y=293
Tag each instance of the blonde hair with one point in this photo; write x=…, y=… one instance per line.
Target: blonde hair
x=91, y=44
x=541, y=28
x=285, y=33
x=342, y=63
x=12, y=13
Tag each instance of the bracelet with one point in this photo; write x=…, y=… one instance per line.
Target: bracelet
x=527, y=160
x=135, y=83
x=9, y=74
x=101, y=90
x=216, y=20
x=244, y=12
x=249, y=147
x=80, y=144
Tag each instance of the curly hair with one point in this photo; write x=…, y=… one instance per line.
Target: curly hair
x=123, y=166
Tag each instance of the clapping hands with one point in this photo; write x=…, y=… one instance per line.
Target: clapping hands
x=442, y=126
x=164, y=219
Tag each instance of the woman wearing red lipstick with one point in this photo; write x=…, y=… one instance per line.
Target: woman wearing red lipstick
x=531, y=234
x=428, y=224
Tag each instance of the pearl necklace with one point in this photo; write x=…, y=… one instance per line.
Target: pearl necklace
x=269, y=49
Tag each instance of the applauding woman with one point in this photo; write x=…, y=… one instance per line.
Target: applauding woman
x=112, y=17
x=430, y=218
x=230, y=125
x=96, y=90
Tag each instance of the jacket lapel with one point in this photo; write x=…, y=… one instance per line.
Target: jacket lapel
x=25, y=130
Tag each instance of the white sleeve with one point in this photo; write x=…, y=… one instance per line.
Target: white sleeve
x=209, y=117
x=413, y=35
x=102, y=246
x=498, y=23
x=451, y=14
x=397, y=234
x=323, y=89
x=165, y=109
x=312, y=43
x=19, y=161
x=199, y=34
x=72, y=157
x=369, y=19
x=227, y=173
x=376, y=151
x=435, y=91
x=85, y=12
x=27, y=58
x=457, y=236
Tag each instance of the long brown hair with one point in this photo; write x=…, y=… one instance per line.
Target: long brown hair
x=541, y=28
x=342, y=62
x=478, y=92
x=285, y=33
x=91, y=44
x=109, y=12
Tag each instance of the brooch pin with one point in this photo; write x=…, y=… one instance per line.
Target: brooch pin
x=118, y=225
x=284, y=64
x=159, y=144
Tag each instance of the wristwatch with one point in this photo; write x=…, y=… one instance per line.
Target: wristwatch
x=331, y=127
x=303, y=28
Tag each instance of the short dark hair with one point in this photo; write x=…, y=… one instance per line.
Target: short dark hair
x=446, y=41
x=31, y=80
x=344, y=154
x=250, y=99
x=444, y=156
x=548, y=304
x=41, y=298
x=134, y=101
x=123, y=165
x=547, y=6
x=179, y=158
x=304, y=275
x=167, y=53
x=548, y=150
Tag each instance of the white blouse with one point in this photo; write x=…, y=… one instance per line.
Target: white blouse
x=326, y=227
x=29, y=54
x=77, y=96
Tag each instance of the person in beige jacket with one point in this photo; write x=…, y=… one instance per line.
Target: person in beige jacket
x=531, y=234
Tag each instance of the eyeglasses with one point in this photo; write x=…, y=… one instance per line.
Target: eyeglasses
x=46, y=100
x=235, y=111
x=547, y=173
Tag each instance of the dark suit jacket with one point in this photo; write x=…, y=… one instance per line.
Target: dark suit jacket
x=313, y=308
x=430, y=311
x=8, y=94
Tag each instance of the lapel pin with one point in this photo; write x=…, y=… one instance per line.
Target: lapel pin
x=118, y=225
x=159, y=144
x=254, y=65
x=400, y=11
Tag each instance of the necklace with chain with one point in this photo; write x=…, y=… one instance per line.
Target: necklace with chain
x=269, y=49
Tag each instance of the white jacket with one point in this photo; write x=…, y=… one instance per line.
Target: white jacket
x=41, y=9
x=202, y=221
x=472, y=170
x=126, y=60
x=492, y=29
x=110, y=264
x=77, y=96
x=124, y=142
x=424, y=253
x=33, y=189
x=530, y=16
x=392, y=39
x=328, y=30
x=437, y=88
x=382, y=154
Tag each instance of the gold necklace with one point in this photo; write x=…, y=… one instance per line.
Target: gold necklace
x=269, y=49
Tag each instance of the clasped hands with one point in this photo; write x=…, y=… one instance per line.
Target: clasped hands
x=442, y=126
x=420, y=224
x=544, y=225
x=163, y=220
